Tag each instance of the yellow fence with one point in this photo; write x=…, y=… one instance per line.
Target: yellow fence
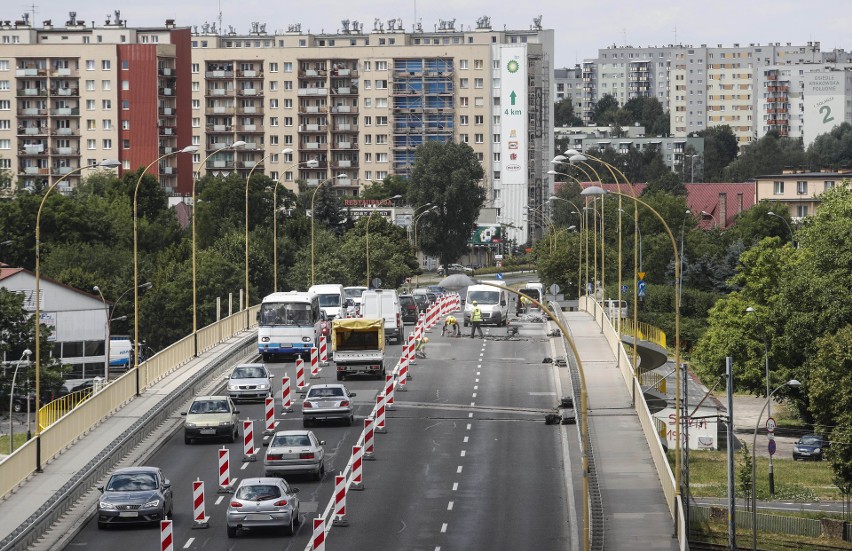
x=65, y=420
x=645, y=332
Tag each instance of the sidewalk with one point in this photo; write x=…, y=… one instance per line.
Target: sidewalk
x=636, y=514
x=34, y=493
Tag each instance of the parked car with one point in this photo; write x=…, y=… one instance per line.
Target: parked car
x=293, y=452
x=409, y=308
x=250, y=382
x=135, y=495
x=211, y=417
x=263, y=503
x=422, y=301
x=809, y=446
x=329, y=401
x=454, y=269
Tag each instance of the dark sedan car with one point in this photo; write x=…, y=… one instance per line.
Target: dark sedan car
x=409, y=308
x=135, y=495
x=809, y=446
x=422, y=301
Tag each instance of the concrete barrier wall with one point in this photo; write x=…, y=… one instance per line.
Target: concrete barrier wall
x=16, y=467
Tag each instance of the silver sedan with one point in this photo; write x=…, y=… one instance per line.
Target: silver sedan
x=250, y=382
x=263, y=503
x=295, y=451
x=331, y=401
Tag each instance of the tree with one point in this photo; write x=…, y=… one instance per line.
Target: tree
x=447, y=175
x=830, y=371
x=768, y=155
x=744, y=481
x=563, y=113
x=720, y=150
x=834, y=149
x=648, y=112
x=604, y=110
x=387, y=188
x=839, y=455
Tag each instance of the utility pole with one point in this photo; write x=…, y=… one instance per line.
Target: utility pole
x=732, y=494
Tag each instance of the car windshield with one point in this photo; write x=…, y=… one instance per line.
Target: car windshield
x=406, y=301
x=811, y=441
x=258, y=492
x=325, y=392
x=291, y=440
x=249, y=372
x=132, y=482
x=329, y=300
x=209, y=406
x=284, y=313
x=354, y=292
x=484, y=297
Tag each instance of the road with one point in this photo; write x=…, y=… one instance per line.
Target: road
x=467, y=462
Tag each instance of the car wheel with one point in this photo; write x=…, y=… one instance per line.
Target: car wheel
x=340, y=376
x=290, y=529
x=320, y=471
x=350, y=420
x=232, y=532
x=17, y=407
x=187, y=440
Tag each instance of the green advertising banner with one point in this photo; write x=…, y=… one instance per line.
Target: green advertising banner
x=486, y=235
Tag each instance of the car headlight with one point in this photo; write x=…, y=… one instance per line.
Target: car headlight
x=263, y=387
x=264, y=339
x=106, y=506
x=190, y=425
x=232, y=387
x=306, y=339
x=152, y=503
x=817, y=450
x=225, y=424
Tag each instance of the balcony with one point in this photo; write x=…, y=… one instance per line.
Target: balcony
x=66, y=92
x=219, y=110
x=32, y=131
x=167, y=170
x=248, y=92
x=65, y=112
x=220, y=92
x=250, y=73
x=211, y=165
x=342, y=164
x=312, y=109
x=65, y=151
x=32, y=92
x=248, y=128
x=32, y=149
x=166, y=71
x=65, y=131
x=343, y=145
x=312, y=91
x=315, y=146
x=250, y=110
x=219, y=128
x=167, y=130
x=219, y=74
x=30, y=72
x=313, y=73
x=344, y=109
x=166, y=92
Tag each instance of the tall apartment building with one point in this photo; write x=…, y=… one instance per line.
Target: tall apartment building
x=360, y=102
x=569, y=83
x=76, y=95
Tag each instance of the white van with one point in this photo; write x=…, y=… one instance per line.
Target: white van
x=532, y=289
x=492, y=301
x=331, y=300
x=614, y=311
x=354, y=294
x=384, y=304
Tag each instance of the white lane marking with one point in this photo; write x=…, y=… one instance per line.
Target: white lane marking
x=455, y=486
x=476, y=387
x=459, y=469
x=481, y=354
x=219, y=500
x=470, y=414
x=472, y=404
x=466, y=438
x=474, y=395
x=189, y=541
x=478, y=373
x=463, y=453
x=468, y=426
x=450, y=506
x=244, y=466
x=444, y=528
x=476, y=380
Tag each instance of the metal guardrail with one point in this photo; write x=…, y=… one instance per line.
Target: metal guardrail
x=644, y=331
x=85, y=479
x=52, y=411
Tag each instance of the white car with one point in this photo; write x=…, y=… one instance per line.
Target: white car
x=250, y=382
x=263, y=503
x=293, y=452
x=325, y=402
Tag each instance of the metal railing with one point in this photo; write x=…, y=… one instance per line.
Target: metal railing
x=52, y=411
x=644, y=332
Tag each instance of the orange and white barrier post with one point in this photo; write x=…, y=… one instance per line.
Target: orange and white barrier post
x=340, y=502
x=314, y=362
x=369, y=452
x=357, y=468
x=248, y=441
x=198, y=516
x=318, y=537
x=323, y=351
x=390, y=383
x=269, y=415
x=412, y=358
x=380, y=413
x=403, y=368
x=300, y=376
x=224, y=472
x=166, y=539
x=286, y=400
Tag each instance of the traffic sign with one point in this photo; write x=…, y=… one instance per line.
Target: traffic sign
x=641, y=288
x=624, y=288
x=772, y=447
x=376, y=283
x=641, y=275
x=554, y=289
x=499, y=275
x=770, y=425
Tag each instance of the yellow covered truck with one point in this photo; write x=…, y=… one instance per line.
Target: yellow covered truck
x=358, y=347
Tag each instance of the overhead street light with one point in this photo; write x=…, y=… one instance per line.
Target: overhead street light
x=792, y=238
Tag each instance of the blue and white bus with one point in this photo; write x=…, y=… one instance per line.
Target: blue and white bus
x=289, y=325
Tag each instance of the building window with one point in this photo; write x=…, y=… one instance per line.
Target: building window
x=106, y=105
x=288, y=66
x=801, y=188
x=288, y=104
x=479, y=120
x=478, y=83
x=464, y=138
x=381, y=157
x=381, y=85
x=196, y=122
x=107, y=143
x=273, y=103
x=463, y=120
x=801, y=211
x=90, y=85
x=273, y=121
x=273, y=67
x=381, y=139
x=463, y=64
x=90, y=64
x=288, y=121
x=381, y=121
x=479, y=138
x=463, y=102
x=106, y=65
x=463, y=83
x=827, y=185
x=107, y=124
x=778, y=188
x=478, y=64
x=125, y=144
x=381, y=65
x=196, y=104
x=196, y=68
x=125, y=125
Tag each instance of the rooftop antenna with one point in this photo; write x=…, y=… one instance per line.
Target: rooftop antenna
x=220, y=15
x=33, y=10
x=624, y=36
x=675, y=34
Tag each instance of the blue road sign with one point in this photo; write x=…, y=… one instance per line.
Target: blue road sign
x=624, y=288
x=772, y=447
x=641, y=290
x=589, y=288
x=499, y=275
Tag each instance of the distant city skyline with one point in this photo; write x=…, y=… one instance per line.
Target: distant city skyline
x=578, y=34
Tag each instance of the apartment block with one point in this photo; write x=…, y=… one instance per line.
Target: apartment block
x=798, y=192
x=76, y=95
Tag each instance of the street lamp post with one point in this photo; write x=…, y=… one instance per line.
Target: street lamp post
x=709, y=215
x=792, y=237
x=595, y=190
x=110, y=319
x=791, y=383
x=367, y=238
x=110, y=163
x=691, y=167
x=235, y=145
x=751, y=310
x=579, y=214
x=313, y=163
x=26, y=355
x=416, y=247
x=314, y=223
x=187, y=149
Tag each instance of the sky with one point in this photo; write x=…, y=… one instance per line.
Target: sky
x=578, y=32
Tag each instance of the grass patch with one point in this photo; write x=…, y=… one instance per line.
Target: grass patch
x=798, y=481
x=20, y=438
x=717, y=532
